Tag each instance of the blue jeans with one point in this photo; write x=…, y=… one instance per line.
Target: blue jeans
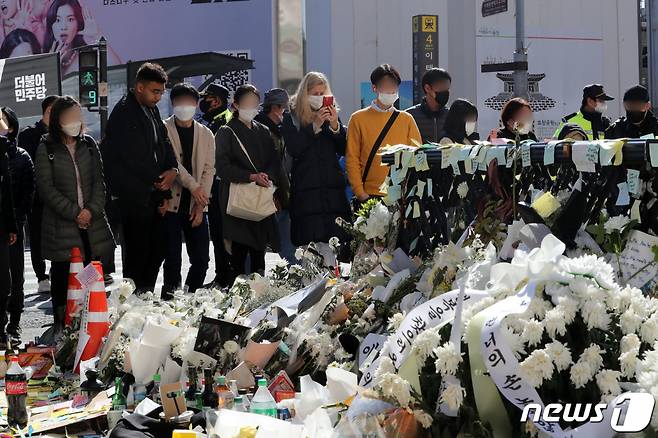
x=198, y=247
x=287, y=248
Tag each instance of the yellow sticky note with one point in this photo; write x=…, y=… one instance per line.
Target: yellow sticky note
x=546, y=205
x=416, y=210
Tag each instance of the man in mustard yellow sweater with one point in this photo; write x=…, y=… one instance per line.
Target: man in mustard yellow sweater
x=365, y=128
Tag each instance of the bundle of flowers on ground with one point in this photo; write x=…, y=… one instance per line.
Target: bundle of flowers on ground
x=459, y=343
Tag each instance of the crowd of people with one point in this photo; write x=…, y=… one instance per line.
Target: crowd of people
x=152, y=183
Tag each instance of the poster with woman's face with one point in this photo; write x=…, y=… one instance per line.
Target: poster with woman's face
x=139, y=29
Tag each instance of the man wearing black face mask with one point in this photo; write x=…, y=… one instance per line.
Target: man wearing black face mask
x=639, y=120
x=431, y=113
x=214, y=106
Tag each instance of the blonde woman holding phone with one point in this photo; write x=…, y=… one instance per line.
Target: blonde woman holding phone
x=315, y=138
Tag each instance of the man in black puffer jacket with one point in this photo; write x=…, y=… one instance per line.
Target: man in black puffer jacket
x=430, y=115
x=21, y=171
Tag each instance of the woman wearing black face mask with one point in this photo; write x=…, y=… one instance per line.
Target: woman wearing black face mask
x=431, y=113
x=639, y=120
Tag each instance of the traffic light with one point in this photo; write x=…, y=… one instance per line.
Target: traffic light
x=88, y=77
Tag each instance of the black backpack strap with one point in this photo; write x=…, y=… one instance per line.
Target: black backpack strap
x=378, y=143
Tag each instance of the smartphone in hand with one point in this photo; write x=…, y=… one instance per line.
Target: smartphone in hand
x=328, y=101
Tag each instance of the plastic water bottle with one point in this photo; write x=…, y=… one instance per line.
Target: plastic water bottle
x=238, y=404
x=263, y=403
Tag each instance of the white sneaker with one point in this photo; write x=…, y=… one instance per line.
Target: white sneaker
x=44, y=286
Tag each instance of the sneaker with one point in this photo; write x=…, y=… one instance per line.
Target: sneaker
x=44, y=286
x=14, y=330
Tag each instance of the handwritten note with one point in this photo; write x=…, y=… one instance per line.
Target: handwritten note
x=445, y=157
x=549, y=154
x=525, y=155
x=580, y=157
x=624, y=197
x=88, y=276
x=393, y=195
x=408, y=159
x=653, y=153
x=421, y=162
x=637, y=260
x=592, y=153
x=633, y=179
x=429, y=187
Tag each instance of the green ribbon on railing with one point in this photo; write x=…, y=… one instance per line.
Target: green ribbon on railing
x=487, y=398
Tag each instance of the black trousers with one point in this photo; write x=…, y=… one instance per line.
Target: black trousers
x=5, y=278
x=59, y=283
x=34, y=225
x=239, y=258
x=223, y=270
x=17, y=269
x=145, y=244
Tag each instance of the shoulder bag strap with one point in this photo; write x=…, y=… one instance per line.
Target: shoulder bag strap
x=243, y=148
x=378, y=143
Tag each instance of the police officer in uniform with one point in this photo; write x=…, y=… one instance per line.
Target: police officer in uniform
x=214, y=106
x=590, y=117
x=639, y=120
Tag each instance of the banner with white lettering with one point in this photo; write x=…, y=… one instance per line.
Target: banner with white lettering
x=27, y=80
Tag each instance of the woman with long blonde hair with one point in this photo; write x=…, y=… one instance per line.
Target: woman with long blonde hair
x=315, y=138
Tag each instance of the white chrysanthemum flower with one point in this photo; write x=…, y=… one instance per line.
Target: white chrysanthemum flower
x=514, y=341
x=608, y=382
x=334, y=243
x=536, y=368
x=630, y=321
x=462, y=190
x=299, y=253
x=595, y=315
x=630, y=342
x=616, y=223
x=580, y=374
x=386, y=366
x=283, y=263
x=569, y=307
x=592, y=355
x=395, y=321
x=453, y=396
x=231, y=347
x=649, y=330
x=555, y=323
x=425, y=342
x=559, y=354
x=423, y=418
x=532, y=332
x=628, y=362
x=538, y=308
x=395, y=387
x=447, y=359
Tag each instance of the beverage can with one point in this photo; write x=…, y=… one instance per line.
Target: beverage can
x=283, y=414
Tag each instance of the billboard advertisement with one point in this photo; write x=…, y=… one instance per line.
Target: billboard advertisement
x=140, y=29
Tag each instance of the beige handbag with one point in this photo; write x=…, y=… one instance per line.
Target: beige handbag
x=249, y=200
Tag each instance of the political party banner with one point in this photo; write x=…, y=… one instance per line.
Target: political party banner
x=139, y=29
x=26, y=80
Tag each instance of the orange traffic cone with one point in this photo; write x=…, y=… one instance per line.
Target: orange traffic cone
x=95, y=319
x=75, y=297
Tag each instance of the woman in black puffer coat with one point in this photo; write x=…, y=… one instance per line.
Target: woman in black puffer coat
x=315, y=138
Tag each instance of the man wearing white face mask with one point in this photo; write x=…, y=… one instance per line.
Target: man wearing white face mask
x=194, y=147
x=590, y=117
x=373, y=128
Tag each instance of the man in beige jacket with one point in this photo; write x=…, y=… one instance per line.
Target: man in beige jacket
x=194, y=147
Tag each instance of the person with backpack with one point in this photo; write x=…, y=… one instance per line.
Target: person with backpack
x=69, y=174
x=374, y=127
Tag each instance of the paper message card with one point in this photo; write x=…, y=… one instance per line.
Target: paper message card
x=637, y=260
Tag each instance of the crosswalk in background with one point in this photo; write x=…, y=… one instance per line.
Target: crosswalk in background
x=38, y=307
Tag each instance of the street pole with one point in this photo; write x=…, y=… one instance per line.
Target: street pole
x=520, y=55
x=651, y=9
x=103, y=90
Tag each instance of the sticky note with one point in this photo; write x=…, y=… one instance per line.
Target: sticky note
x=394, y=194
x=579, y=157
x=633, y=180
x=396, y=176
x=549, y=154
x=499, y=154
x=396, y=159
x=420, y=188
x=635, y=211
x=546, y=205
x=592, y=153
x=408, y=159
x=409, y=210
x=474, y=152
x=416, y=214
x=429, y=187
x=653, y=154
x=465, y=152
x=421, y=162
x=624, y=197
x=525, y=154
x=511, y=157
x=468, y=166
x=445, y=157
x=648, y=137
x=455, y=169
x=482, y=154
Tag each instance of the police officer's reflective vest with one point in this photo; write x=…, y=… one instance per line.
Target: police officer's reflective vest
x=580, y=120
